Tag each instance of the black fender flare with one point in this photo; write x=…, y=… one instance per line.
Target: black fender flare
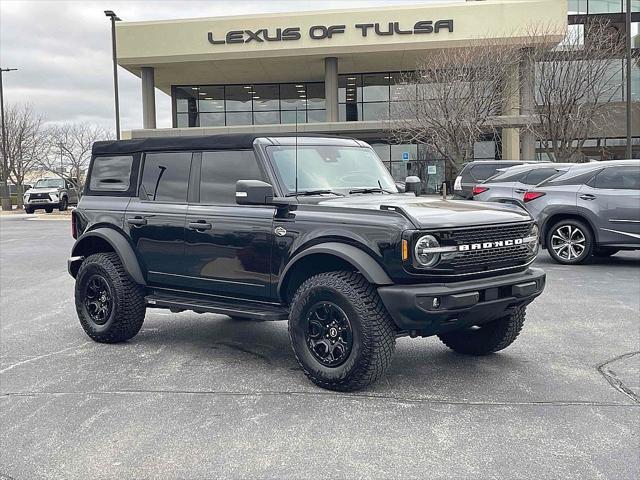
x=361, y=261
x=120, y=245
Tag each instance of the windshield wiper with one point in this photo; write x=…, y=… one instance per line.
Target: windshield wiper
x=307, y=193
x=369, y=190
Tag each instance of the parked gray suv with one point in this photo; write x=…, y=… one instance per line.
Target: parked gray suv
x=50, y=193
x=510, y=184
x=589, y=209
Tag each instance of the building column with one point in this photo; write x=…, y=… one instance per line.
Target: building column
x=511, y=136
x=331, y=88
x=527, y=107
x=148, y=98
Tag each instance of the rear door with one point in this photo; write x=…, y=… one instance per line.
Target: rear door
x=613, y=196
x=155, y=220
x=228, y=246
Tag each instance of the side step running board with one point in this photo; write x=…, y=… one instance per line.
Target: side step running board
x=242, y=309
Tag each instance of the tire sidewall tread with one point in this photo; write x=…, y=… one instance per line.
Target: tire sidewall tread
x=373, y=330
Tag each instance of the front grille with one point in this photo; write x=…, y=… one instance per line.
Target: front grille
x=38, y=196
x=476, y=261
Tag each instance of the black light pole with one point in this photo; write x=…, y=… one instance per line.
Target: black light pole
x=628, y=74
x=114, y=18
x=6, y=196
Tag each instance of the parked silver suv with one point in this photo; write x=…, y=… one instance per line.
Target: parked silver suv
x=50, y=193
x=510, y=184
x=589, y=209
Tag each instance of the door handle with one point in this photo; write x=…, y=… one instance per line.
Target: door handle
x=587, y=196
x=520, y=190
x=137, y=221
x=200, y=225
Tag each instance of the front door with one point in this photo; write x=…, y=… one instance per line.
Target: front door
x=156, y=219
x=228, y=246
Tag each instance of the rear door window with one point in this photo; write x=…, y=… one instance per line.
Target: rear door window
x=537, y=175
x=220, y=172
x=165, y=177
x=483, y=171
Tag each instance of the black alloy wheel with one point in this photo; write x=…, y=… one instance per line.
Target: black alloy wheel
x=329, y=336
x=98, y=299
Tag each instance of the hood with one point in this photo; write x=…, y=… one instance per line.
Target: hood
x=43, y=190
x=432, y=212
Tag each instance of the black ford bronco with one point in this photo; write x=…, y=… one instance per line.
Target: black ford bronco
x=308, y=229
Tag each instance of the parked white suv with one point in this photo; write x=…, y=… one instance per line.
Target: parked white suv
x=50, y=193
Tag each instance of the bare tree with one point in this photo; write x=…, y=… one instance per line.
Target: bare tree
x=449, y=102
x=69, y=150
x=25, y=146
x=574, y=85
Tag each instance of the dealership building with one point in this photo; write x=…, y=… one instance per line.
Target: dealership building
x=337, y=72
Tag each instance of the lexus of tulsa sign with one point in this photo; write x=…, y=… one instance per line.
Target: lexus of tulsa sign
x=319, y=32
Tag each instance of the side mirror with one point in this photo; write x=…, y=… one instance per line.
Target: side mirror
x=413, y=184
x=253, y=192
x=401, y=186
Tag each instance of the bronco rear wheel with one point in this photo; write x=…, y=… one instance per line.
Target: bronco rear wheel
x=109, y=303
x=488, y=337
x=341, y=334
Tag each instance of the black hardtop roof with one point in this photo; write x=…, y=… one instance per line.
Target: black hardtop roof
x=205, y=142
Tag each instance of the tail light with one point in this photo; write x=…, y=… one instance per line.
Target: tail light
x=528, y=196
x=74, y=225
x=477, y=190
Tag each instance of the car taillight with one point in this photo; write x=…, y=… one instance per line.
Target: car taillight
x=477, y=190
x=74, y=225
x=528, y=196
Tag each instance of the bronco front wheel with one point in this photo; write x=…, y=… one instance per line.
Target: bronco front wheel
x=109, y=303
x=342, y=336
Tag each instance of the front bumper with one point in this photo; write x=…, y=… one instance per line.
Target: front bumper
x=42, y=202
x=429, y=309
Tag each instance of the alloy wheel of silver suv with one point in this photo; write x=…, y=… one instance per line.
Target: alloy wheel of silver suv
x=569, y=241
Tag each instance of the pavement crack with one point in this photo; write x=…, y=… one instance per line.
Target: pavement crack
x=39, y=357
x=359, y=396
x=612, y=378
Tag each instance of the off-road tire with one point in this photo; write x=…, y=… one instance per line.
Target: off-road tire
x=48, y=209
x=374, y=333
x=486, y=338
x=128, y=308
x=29, y=210
x=64, y=203
x=589, y=242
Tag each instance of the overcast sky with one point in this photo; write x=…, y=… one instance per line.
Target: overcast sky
x=62, y=50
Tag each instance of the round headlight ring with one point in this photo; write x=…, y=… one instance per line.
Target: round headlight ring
x=426, y=259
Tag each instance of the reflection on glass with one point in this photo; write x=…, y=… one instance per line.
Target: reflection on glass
x=211, y=99
x=266, y=118
x=239, y=98
x=375, y=87
x=266, y=97
x=316, y=116
x=315, y=95
x=211, y=120
x=290, y=116
x=293, y=97
x=186, y=99
x=239, y=118
x=375, y=111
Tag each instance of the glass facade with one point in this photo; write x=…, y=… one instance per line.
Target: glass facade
x=582, y=7
x=259, y=104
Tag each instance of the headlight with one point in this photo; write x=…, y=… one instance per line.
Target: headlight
x=533, y=240
x=425, y=257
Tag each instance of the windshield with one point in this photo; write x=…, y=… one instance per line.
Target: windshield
x=335, y=168
x=50, y=183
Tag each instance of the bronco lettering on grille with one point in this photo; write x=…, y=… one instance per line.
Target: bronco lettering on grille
x=487, y=245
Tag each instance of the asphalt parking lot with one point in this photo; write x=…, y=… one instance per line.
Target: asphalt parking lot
x=200, y=396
